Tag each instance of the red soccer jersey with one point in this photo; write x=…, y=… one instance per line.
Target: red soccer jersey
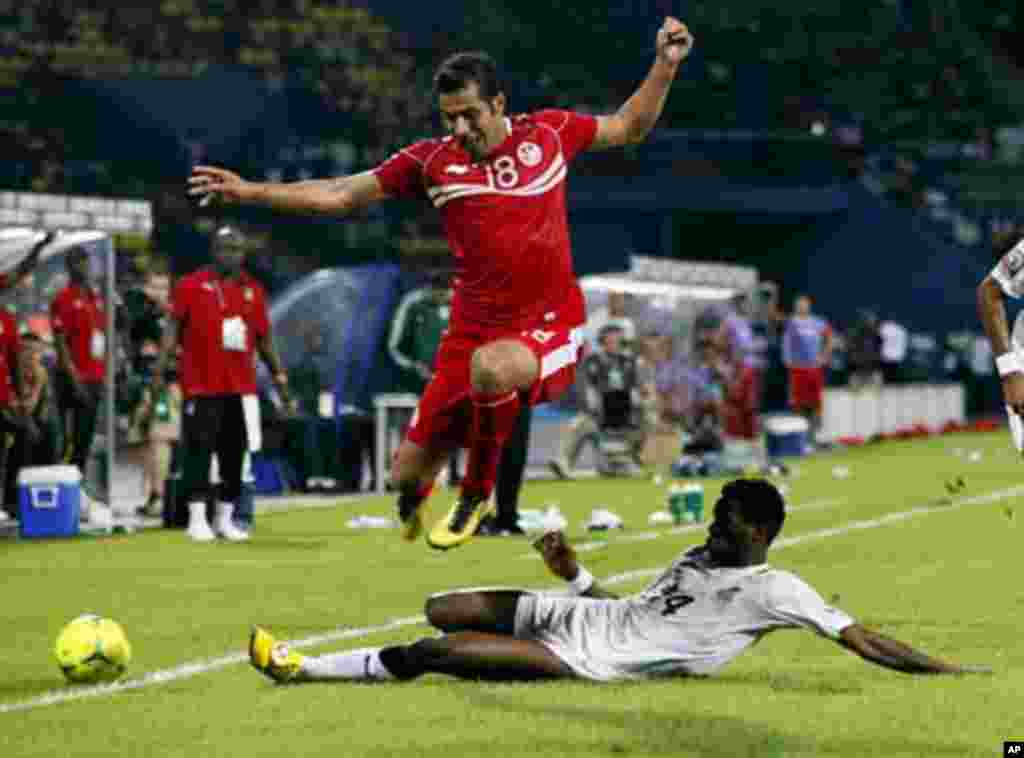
x=77, y=313
x=10, y=347
x=505, y=218
x=219, y=322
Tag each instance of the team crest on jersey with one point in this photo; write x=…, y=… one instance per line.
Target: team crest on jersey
x=529, y=154
x=248, y=294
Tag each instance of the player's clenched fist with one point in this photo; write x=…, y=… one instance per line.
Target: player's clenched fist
x=674, y=41
x=558, y=555
x=209, y=183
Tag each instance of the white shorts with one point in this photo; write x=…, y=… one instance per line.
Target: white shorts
x=587, y=634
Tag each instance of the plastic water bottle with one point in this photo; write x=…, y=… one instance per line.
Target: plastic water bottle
x=693, y=503
x=677, y=503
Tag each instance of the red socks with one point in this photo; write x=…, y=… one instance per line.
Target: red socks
x=494, y=418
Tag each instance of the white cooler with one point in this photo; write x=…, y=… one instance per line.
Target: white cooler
x=786, y=436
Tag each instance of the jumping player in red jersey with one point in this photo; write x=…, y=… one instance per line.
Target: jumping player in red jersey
x=516, y=326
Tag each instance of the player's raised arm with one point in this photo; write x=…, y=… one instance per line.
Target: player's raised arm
x=877, y=648
x=638, y=115
x=338, y=196
x=561, y=561
x=1005, y=278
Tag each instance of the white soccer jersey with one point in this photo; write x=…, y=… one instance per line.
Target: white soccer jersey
x=693, y=619
x=1009, y=272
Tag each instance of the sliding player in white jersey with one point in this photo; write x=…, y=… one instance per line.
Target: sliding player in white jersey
x=1007, y=278
x=710, y=605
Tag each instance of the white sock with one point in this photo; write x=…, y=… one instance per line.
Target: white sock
x=196, y=513
x=224, y=512
x=352, y=665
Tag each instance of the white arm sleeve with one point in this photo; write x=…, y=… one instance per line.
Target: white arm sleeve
x=794, y=603
x=1009, y=272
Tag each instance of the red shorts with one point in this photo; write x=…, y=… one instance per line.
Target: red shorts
x=445, y=412
x=806, y=388
x=743, y=406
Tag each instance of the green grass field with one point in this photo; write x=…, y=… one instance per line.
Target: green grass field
x=945, y=578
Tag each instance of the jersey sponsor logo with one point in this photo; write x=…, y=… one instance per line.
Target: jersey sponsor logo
x=529, y=154
x=503, y=179
x=456, y=169
x=248, y=294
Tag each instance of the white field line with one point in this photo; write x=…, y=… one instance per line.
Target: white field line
x=188, y=670
x=587, y=547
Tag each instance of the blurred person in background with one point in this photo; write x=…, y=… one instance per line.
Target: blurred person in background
x=893, y=352
x=420, y=322
x=37, y=441
x=78, y=320
x=807, y=351
x=498, y=183
x=708, y=379
x=769, y=324
x=18, y=429
x=614, y=386
x=745, y=352
x=158, y=419
x=612, y=313
x=310, y=440
x=219, y=317
x=864, y=352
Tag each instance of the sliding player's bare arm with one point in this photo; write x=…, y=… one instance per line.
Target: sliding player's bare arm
x=339, y=196
x=632, y=122
x=882, y=650
x=561, y=561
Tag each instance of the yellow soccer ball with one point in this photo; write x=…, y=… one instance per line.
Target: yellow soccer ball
x=92, y=649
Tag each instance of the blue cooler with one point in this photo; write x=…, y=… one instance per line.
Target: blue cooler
x=786, y=436
x=49, y=500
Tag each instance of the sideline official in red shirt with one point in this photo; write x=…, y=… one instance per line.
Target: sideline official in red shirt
x=220, y=320
x=78, y=320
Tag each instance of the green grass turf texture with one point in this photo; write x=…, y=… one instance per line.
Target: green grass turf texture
x=948, y=582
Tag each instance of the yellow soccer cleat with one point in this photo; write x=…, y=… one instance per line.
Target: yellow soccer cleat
x=273, y=658
x=461, y=522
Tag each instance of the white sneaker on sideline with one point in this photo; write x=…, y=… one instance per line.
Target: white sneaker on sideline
x=198, y=527
x=227, y=528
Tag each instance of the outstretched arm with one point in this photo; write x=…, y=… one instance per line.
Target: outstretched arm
x=877, y=648
x=561, y=561
x=638, y=115
x=339, y=196
x=993, y=316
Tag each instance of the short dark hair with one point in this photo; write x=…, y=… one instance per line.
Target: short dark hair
x=229, y=236
x=760, y=503
x=457, y=71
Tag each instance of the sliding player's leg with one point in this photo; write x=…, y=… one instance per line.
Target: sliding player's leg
x=467, y=655
x=491, y=611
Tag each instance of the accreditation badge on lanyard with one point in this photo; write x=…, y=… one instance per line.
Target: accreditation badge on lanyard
x=97, y=340
x=97, y=345
x=233, y=329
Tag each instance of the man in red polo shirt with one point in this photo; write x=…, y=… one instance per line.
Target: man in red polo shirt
x=78, y=320
x=220, y=319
